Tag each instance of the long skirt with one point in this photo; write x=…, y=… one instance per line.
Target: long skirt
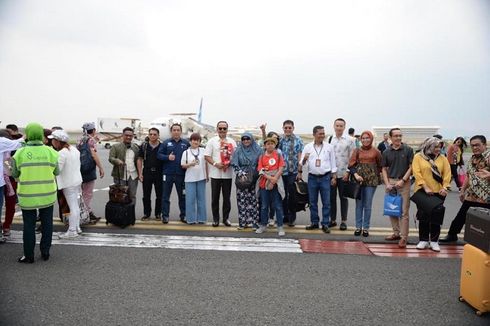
x=248, y=206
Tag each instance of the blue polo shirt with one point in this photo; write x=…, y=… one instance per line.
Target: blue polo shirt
x=177, y=147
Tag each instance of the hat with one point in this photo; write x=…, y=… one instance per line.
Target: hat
x=272, y=139
x=60, y=135
x=89, y=126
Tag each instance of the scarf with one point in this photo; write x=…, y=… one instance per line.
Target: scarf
x=246, y=155
x=427, y=153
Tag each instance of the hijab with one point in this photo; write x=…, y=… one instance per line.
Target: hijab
x=427, y=152
x=246, y=155
x=370, y=134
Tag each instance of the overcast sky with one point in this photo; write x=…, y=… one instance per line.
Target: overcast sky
x=375, y=63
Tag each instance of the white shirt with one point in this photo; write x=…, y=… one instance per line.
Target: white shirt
x=7, y=145
x=197, y=172
x=69, y=168
x=213, y=150
x=325, y=153
x=130, y=167
x=343, y=148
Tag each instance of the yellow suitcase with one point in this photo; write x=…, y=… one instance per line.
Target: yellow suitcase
x=475, y=279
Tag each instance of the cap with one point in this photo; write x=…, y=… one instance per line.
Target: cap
x=271, y=139
x=60, y=135
x=88, y=126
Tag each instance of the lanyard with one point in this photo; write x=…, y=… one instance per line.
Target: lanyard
x=318, y=153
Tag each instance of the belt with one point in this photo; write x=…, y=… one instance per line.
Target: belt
x=152, y=169
x=319, y=175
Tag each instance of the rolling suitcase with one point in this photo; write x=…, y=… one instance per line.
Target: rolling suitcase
x=119, y=214
x=475, y=279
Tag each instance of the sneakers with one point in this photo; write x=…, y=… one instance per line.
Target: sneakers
x=271, y=222
x=343, y=226
x=68, y=235
x=325, y=229
x=280, y=231
x=240, y=227
x=261, y=229
x=357, y=232
x=435, y=246
x=79, y=230
x=422, y=245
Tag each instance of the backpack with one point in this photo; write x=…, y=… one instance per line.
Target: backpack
x=299, y=196
x=87, y=162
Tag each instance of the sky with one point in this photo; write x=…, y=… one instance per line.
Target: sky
x=374, y=63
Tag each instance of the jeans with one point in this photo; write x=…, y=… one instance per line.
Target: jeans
x=71, y=195
x=195, y=201
x=151, y=179
x=364, y=207
x=169, y=181
x=344, y=202
x=288, y=181
x=223, y=185
x=319, y=185
x=29, y=217
x=271, y=198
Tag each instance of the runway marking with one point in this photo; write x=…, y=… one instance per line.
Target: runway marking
x=334, y=247
x=173, y=242
x=392, y=250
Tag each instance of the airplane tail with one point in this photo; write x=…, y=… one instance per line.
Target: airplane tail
x=199, y=116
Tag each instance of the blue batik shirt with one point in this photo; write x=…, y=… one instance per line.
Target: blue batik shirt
x=285, y=147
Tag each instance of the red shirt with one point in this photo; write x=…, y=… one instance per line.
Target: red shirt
x=269, y=163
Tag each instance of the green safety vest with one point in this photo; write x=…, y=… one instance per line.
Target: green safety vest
x=36, y=165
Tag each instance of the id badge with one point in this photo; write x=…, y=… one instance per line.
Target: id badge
x=318, y=163
x=197, y=161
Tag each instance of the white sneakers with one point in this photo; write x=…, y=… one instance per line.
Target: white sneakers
x=79, y=230
x=426, y=244
x=280, y=231
x=261, y=229
x=422, y=245
x=68, y=235
x=435, y=246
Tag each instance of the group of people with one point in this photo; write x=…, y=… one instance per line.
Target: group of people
x=265, y=173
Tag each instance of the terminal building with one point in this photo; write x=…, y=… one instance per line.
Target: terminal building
x=412, y=135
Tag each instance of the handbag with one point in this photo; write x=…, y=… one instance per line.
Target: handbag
x=246, y=178
x=431, y=208
x=461, y=174
x=352, y=188
x=393, y=204
x=119, y=193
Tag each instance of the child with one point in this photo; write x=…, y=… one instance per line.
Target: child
x=196, y=176
x=270, y=167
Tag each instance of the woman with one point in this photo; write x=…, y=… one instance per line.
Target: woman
x=196, y=176
x=455, y=158
x=245, y=160
x=432, y=174
x=365, y=166
x=69, y=179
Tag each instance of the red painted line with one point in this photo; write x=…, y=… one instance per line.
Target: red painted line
x=334, y=247
x=392, y=250
x=419, y=255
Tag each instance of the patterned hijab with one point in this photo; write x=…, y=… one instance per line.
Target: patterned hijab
x=247, y=155
x=427, y=152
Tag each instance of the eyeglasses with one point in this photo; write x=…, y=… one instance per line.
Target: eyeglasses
x=245, y=138
x=222, y=128
x=287, y=127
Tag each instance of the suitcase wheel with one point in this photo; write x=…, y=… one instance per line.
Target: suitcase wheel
x=461, y=299
x=479, y=313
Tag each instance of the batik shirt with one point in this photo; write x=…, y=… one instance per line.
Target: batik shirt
x=479, y=189
x=285, y=145
x=343, y=148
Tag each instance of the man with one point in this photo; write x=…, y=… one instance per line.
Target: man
x=13, y=130
x=218, y=152
x=343, y=148
x=7, y=184
x=382, y=146
x=150, y=173
x=475, y=191
x=36, y=166
x=170, y=152
x=319, y=157
x=397, y=168
x=89, y=165
x=291, y=147
x=124, y=157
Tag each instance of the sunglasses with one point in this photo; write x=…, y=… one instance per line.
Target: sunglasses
x=245, y=138
x=222, y=128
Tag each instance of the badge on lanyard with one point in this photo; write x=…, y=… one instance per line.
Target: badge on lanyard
x=318, y=162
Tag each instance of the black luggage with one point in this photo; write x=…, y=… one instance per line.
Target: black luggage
x=118, y=214
x=299, y=199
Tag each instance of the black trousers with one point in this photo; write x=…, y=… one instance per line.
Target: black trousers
x=428, y=231
x=344, y=202
x=288, y=181
x=150, y=180
x=223, y=186
x=460, y=219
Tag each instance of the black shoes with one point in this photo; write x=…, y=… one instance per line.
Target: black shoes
x=215, y=224
x=226, y=223
x=312, y=227
x=45, y=256
x=357, y=232
x=449, y=238
x=182, y=219
x=365, y=233
x=25, y=260
x=343, y=226
x=332, y=224
x=165, y=220
x=325, y=229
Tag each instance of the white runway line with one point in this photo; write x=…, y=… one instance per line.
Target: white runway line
x=172, y=242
